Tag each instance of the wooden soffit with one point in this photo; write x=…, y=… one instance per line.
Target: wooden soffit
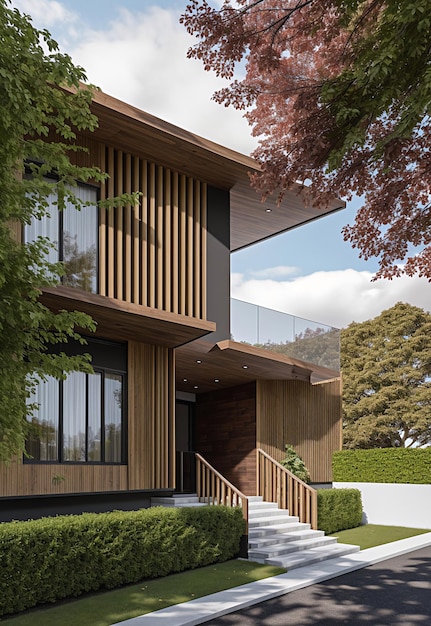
x=202, y=366
x=129, y=129
x=120, y=320
x=252, y=220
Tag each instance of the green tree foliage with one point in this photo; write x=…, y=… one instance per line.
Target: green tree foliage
x=339, y=94
x=386, y=367
x=295, y=464
x=42, y=98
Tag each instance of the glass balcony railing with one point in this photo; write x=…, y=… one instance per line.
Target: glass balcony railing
x=286, y=334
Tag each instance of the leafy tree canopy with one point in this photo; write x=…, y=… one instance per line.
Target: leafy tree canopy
x=33, y=108
x=386, y=367
x=339, y=93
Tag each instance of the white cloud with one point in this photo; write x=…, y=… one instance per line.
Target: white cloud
x=46, y=12
x=280, y=271
x=141, y=59
x=334, y=298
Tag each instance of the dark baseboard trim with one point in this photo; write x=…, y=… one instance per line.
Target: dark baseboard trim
x=34, y=507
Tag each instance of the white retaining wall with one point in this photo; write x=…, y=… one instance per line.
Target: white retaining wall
x=394, y=504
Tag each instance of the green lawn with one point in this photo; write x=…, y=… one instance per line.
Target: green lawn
x=109, y=607
x=105, y=608
x=371, y=535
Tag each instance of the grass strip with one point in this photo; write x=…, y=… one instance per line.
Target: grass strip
x=371, y=535
x=106, y=608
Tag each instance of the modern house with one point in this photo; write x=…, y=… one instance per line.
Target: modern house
x=171, y=377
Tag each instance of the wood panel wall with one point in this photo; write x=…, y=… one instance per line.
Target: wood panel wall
x=306, y=416
x=153, y=253
x=28, y=479
x=226, y=433
x=150, y=432
x=151, y=463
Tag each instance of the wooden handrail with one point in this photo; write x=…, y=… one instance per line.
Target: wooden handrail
x=213, y=488
x=277, y=484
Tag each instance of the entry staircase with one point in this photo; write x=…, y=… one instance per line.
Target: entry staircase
x=275, y=537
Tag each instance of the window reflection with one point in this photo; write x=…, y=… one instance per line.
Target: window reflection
x=88, y=411
x=79, y=242
x=42, y=439
x=94, y=417
x=74, y=233
x=113, y=409
x=74, y=410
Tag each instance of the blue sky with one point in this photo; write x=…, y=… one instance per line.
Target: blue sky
x=135, y=50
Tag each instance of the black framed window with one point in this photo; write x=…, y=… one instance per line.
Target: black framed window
x=75, y=235
x=82, y=419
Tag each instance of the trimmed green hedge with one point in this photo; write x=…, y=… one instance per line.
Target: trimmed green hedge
x=53, y=558
x=383, y=465
x=338, y=509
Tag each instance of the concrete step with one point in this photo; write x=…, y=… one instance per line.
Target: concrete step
x=266, y=513
x=255, y=507
x=272, y=520
x=289, y=547
x=299, y=533
x=314, y=555
x=276, y=529
x=177, y=500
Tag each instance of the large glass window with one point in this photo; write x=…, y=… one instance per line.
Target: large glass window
x=82, y=418
x=74, y=233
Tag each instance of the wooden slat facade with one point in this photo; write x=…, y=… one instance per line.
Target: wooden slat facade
x=306, y=416
x=31, y=479
x=154, y=252
x=151, y=254
x=267, y=414
x=151, y=436
x=151, y=440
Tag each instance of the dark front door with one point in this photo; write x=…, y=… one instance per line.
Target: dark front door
x=184, y=446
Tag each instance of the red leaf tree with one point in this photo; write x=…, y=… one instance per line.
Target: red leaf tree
x=339, y=95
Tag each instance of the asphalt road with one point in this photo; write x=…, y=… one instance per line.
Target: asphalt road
x=396, y=592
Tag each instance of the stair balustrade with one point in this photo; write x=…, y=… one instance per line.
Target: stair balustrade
x=213, y=488
x=277, y=484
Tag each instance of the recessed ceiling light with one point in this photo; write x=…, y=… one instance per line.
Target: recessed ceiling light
x=185, y=380
x=268, y=210
x=245, y=367
x=198, y=361
x=216, y=380
x=195, y=387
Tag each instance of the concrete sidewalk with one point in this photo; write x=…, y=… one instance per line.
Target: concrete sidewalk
x=204, y=609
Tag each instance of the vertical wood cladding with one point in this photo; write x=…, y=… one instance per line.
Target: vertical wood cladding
x=151, y=433
x=27, y=479
x=226, y=434
x=154, y=252
x=306, y=416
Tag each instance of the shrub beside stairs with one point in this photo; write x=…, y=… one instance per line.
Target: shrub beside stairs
x=275, y=537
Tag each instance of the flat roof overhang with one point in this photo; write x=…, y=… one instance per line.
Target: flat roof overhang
x=128, y=128
x=126, y=321
x=200, y=364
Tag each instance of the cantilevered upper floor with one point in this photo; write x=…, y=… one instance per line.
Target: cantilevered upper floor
x=159, y=270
